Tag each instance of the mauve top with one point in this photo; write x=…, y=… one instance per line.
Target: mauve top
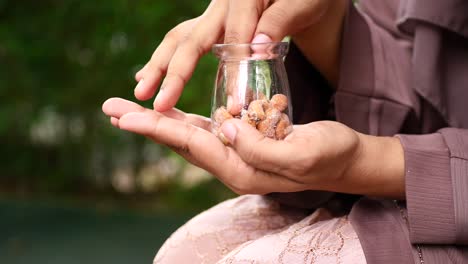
x=404, y=72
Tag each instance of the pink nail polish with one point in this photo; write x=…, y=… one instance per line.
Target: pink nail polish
x=262, y=38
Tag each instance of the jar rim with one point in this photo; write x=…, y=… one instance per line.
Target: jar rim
x=246, y=50
x=274, y=43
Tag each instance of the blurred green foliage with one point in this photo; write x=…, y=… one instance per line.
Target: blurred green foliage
x=59, y=61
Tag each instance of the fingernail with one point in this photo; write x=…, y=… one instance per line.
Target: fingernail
x=223, y=138
x=159, y=96
x=140, y=84
x=259, y=56
x=261, y=38
x=114, y=121
x=229, y=131
x=229, y=103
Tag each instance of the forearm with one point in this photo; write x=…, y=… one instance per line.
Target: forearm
x=376, y=169
x=321, y=43
x=380, y=169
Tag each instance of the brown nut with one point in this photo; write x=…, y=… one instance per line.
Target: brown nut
x=260, y=96
x=279, y=101
x=268, y=126
x=266, y=129
x=221, y=115
x=245, y=117
x=273, y=114
x=256, y=110
x=283, y=128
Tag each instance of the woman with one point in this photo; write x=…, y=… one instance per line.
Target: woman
x=395, y=76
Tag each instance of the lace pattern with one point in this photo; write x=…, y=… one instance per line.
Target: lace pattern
x=255, y=229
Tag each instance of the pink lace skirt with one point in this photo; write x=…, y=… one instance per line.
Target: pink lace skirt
x=254, y=229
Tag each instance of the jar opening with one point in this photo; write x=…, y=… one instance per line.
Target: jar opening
x=251, y=51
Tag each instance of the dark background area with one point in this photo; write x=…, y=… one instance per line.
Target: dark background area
x=73, y=189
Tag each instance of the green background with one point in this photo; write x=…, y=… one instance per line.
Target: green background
x=73, y=189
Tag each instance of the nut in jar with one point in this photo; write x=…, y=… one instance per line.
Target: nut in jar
x=252, y=89
x=265, y=115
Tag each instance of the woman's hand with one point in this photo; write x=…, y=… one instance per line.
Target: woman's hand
x=233, y=21
x=317, y=156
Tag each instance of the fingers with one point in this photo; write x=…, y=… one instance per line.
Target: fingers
x=257, y=150
x=288, y=17
x=205, y=150
x=196, y=120
x=151, y=75
x=275, y=21
x=236, y=87
x=117, y=107
x=241, y=21
x=114, y=121
x=260, y=51
x=200, y=146
x=196, y=43
x=180, y=132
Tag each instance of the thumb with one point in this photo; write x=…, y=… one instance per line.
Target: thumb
x=254, y=148
x=285, y=18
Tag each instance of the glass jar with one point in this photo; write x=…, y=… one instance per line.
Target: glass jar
x=252, y=85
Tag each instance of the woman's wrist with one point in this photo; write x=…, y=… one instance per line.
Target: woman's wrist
x=378, y=168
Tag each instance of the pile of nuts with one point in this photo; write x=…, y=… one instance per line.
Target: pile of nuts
x=265, y=115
